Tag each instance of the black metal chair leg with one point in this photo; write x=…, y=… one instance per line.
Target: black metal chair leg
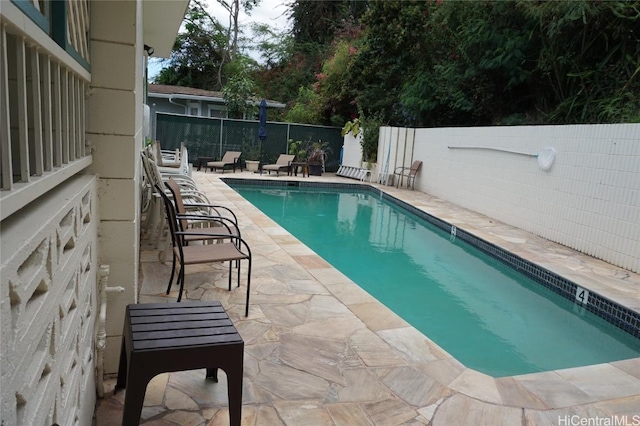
x=246, y=312
x=173, y=271
x=181, y=279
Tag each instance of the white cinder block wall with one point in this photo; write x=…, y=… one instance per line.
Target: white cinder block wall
x=48, y=308
x=589, y=200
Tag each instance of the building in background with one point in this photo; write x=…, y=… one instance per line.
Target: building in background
x=189, y=101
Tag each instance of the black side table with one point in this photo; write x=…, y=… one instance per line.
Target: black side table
x=165, y=337
x=202, y=162
x=294, y=169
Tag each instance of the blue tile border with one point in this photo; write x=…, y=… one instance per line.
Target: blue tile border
x=618, y=315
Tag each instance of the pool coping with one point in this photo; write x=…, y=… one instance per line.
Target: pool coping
x=557, y=390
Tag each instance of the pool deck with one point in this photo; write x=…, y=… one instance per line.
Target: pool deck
x=321, y=351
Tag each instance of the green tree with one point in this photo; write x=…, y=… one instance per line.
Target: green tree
x=198, y=52
x=234, y=7
x=319, y=21
x=274, y=45
x=239, y=92
x=481, y=60
x=205, y=46
x=433, y=63
x=509, y=62
x=589, y=60
x=314, y=25
x=285, y=66
x=306, y=108
x=445, y=64
x=336, y=95
x=392, y=44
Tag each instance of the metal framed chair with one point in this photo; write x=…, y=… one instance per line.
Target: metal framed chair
x=154, y=220
x=408, y=172
x=228, y=248
x=205, y=218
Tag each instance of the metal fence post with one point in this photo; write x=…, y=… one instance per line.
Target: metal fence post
x=221, y=138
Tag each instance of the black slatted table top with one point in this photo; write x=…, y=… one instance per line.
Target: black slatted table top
x=177, y=325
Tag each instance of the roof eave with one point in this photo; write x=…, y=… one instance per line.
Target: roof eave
x=187, y=97
x=270, y=104
x=161, y=23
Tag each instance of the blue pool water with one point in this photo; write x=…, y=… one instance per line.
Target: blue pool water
x=487, y=315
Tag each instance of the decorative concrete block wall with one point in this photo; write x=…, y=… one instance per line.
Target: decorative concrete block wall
x=588, y=200
x=48, y=308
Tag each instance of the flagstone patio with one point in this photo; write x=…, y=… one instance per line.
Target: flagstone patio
x=319, y=350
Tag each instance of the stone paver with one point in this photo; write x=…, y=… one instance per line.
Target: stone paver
x=463, y=410
x=319, y=350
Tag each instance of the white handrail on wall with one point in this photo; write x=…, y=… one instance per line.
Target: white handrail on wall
x=493, y=149
x=545, y=157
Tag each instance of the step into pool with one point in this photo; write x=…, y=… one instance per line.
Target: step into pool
x=487, y=315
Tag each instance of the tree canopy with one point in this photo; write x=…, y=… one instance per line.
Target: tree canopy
x=205, y=47
x=457, y=63
x=436, y=63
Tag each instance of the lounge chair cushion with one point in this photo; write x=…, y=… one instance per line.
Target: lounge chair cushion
x=230, y=159
x=283, y=163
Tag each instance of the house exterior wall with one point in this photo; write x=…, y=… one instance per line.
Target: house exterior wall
x=116, y=135
x=181, y=106
x=70, y=203
x=162, y=105
x=48, y=214
x=588, y=200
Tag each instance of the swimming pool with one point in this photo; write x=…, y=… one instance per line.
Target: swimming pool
x=488, y=316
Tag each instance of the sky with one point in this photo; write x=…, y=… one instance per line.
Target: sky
x=269, y=12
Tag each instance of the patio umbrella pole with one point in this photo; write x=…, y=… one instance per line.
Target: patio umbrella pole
x=261, y=160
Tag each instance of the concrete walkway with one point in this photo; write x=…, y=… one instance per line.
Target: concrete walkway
x=321, y=351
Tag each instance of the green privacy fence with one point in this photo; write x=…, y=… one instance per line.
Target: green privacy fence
x=212, y=137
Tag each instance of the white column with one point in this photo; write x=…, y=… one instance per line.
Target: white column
x=114, y=128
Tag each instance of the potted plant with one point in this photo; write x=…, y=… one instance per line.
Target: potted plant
x=369, y=128
x=299, y=150
x=252, y=155
x=352, y=127
x=296, y=148
x=317, y=154
x=252, y=165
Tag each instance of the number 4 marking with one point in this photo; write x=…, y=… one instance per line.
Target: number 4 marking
x=582, y=295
